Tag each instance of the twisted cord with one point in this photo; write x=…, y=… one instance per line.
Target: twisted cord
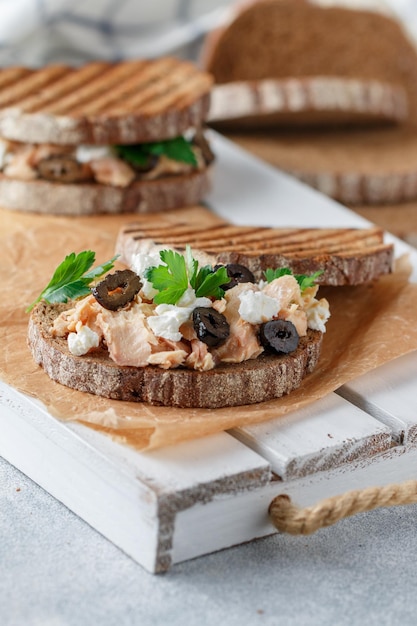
x=289, y=518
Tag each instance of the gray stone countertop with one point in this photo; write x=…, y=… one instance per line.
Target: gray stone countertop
x=55, y=570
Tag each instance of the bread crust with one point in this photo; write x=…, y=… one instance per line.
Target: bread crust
x=103, y=103
x=309, y=100
x=367, y=166
x=295, y=38
x=344, y=256
x=257, y=380
x=42, y=196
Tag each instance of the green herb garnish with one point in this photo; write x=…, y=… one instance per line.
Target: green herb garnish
x=178, y=149
x=307, y=281
x=271, y=274
x=303, y=280
x=179, y=272
x=71, y=278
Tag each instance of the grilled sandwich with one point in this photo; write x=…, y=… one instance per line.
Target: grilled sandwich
x=103, y=138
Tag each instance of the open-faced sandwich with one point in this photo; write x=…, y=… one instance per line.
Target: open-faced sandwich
x=215, y=332
x=174, y=333
x=104, y=138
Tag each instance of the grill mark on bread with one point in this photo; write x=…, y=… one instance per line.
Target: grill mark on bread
x=105, y=103
x=31, y=82
x=175, y=88
x=127, y=80
x=107, y=81
x=105, y=87
x=142, y=76
x=235, y=237
x=72, y=81
x=9, y=75
x=212, y=236
x=345, y=255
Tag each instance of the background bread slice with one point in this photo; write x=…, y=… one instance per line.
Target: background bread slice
x=345, y=256
x=103, y=103
x=311, y=100
x=300, y=38
x=42, y=196
x=276, y=39
x=257, y=380
x=364, y=166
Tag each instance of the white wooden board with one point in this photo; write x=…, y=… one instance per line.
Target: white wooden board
x=182, y=502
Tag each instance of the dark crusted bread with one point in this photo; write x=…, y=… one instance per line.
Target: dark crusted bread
x=257, y=380
x=297, y=38
x=366, y=166
x=309, y=100
x=103, y=103
x=146, y=196
x=346, y=256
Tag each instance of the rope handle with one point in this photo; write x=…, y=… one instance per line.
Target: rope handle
x=289, y=518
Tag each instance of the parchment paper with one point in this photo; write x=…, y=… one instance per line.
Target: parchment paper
x=370, y=325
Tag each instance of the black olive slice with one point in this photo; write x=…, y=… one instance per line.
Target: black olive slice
x=150, y=164
x=201, y=142
x=211, y=327
x=281, y=335
x=62, y=169
x=238, y=274
x=117, y=289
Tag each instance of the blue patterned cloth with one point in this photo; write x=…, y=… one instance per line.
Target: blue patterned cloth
x=36, y=32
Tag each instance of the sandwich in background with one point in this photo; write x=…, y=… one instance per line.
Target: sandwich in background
x=104, y=138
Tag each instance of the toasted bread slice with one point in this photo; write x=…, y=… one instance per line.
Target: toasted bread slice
x=311, y=100
x=364, y=166
x=346, y=256
x=103, y=103
x=257, y=380
x=145, y=196
x=277, y=39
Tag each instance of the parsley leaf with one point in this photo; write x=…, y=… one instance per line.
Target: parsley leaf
x=302, y=279
x=192, y=266
x=208, y=283
x=178, y=149
x=271, y=274
x=307, y=281
x=134, y=154
x=173, y=279
x=71, y=278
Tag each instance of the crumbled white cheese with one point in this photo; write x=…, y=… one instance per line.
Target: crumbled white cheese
x=169, y=317
x=256, y=307
x=317, y=314
x=141, y=261
x=87, y=153
x=189, y=299
x=82, y=341
x=3, y=152
x=167, y=322
x=139, y=264
x=148, y=290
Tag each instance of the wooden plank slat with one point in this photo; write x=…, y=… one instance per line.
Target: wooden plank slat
x=389, y=394
x=323, y=436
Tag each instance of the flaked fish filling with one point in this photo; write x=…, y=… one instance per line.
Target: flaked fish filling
x=117, y=166
x=145, y=333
